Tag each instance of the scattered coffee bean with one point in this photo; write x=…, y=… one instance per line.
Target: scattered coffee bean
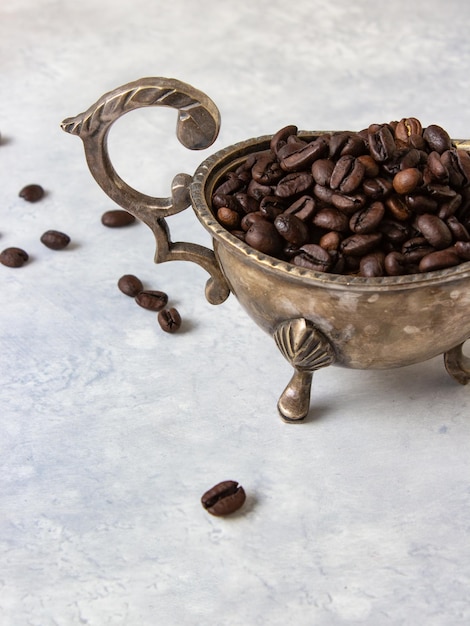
x=152, y=300
x=13, y=257
x=382, y=201
x=130, y=285
x=117, y=218
x=55, y=240
x=169, y=320
x=223, y=499
x=32, y=193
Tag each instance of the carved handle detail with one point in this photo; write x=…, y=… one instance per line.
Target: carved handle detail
x=197, y=128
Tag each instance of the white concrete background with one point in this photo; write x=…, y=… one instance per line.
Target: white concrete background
x=111, y=430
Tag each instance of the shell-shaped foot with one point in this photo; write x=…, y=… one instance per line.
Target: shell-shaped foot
x=457, y=364
x=307, y=350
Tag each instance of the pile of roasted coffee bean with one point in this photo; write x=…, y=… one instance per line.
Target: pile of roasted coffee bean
x=389, y=200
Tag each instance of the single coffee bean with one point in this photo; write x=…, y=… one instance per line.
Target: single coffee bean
x=348, y=203
x=232, y=183
x=258, y=191
x=247, y=203
x=169, y=320
x=305, y=155
x=330, y=241
x=223, y=499
x=331, y=219
x=228, y=217
x=279, y=139
x=415, y=249
x=463, y=249
x=421, y=204
x=407, y=127
x=439, y=260
x=358, y=245
x=381, y=143
x=434, y=230
x=366, y=220
x=458, y=230
x=55, y=240
x=437, y=138
x=372, y=265
x=13, y=257
x=292, y=229
x=377, y=188
x=314, y=257
x=437, y=168
x=407, y=180
x=293, y=184
x=32, y=193
x=395, y=264
x=371, y=167
x=398, y=208
x=322, y=170
x=250, y=218
x=303, y=208
x=117, y=218
x=347, y=174
x=264, y=237
x=271, y=207
x=267, y=171
x=130, y=285
x=152, y=300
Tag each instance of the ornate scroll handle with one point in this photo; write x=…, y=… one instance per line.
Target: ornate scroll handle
x=197, y=128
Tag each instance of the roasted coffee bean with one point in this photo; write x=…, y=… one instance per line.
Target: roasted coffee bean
x=291, y=229
x=247, y=203
x=55, y=240
x=346, y=142
x=325, y=194
x=232, y=183
x=152, y=300
x=437, y=138
x=398, y=208
x=451, y=162
x=322, y=170
x=293, y=184
x=305, y=155
x=394, y=231
x=439, y=260
x=421, y=204
x=407, y=180
x=463, y=249
x=264, y=237
x=223, y=499
x=130, y=285
x=258, y=191
x=395, y=264
x=358, y=245
x=117, y=218
x=279, y=139
x=406, y=128
x=372, y=265
x=434, y=230
x=377, y=188
x=169, y=320
x=367, y=220
x=347, y=174
x=314, y=257
x=381, y=143
x=271, y=207
x=349, y=203
x=32, y=193
x=371, y=167
x=415, y=248
x=267, y=171
x=13, y=257
x=331, y=219
x=303, y=208
x=250, y=218
x=330, y=241
x=437, y=168
x=228, y=217
x=458, y=230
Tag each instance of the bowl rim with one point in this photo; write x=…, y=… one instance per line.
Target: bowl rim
x=202, y=185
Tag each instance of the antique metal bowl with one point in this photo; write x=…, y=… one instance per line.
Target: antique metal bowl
x=316, y=319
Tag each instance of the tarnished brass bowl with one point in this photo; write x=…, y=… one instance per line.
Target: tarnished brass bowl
x=316, y=319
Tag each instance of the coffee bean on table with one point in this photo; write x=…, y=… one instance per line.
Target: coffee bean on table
x=152, y=300
x=32, y=193
x=13, y=257
x=224, y=498
x=117, y=218
x=130, y=285
x=55, y=240
x=169, y=320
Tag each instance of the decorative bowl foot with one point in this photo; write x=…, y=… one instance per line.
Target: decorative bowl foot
x=307, y=350
x=457, y=364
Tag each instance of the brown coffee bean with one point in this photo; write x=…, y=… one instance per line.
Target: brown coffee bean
x=407, y=180
x=55, y=240
x=381, y=143
x=367, y=219
x=322, y=170
x=264, y=237
x=358, y=245
x=228, y=218
x=372, y=265
x=406, y=128
x=250, y=218
x=415, y=249
x=330, y=241
x=331, y=219
x=117, y=218
x=13, y=257
x=377, y=188
x=267, y=171
x=293, y=184
x=280, y=138
x=305, y=155
x=434, y=230
x=303, y=208
x=223, y=499
x=371, y=167
x=291, y=229
x=395, y=264
x=437, y=138
x=169, y=320
x=398, y=208
x=314, y=257
x=463, y=249
x=152, y=300
x=347, y=174
x=439, y=260
x=348, y=203
x=32, y=193
x=130, y=285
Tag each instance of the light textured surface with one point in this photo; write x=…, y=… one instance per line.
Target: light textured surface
x=111, y=430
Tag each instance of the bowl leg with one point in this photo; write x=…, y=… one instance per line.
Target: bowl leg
x=457, y=364
x=307, y=350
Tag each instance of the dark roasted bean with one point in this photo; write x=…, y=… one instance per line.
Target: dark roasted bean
x=13, y=257
x=381, y=143
x=358, y=245
x=437, y=138
x=303, y=208
x=223, y=499
x=264, y=237
x=346, y=142
x=305, y=155
x=169, y=320
x=371, y=167
x=325, y=194
x=367, y=219
x=32, y=193
x=271, y=207
x=421, y=204
x=415, y=248
x=377, y=188
x=349, y=203
x=250, y=218
x=152, y=300
x=463, y=249
x=372, y=265
x=434, y=230
x=331, y=219
x=55, y=240
x=407, y=180
x=130, y=285
x=291, y=229
x=322, y=171
x=407, y=127
x=394, y=231
x=258, y=191
x=439, y=260
x=267, y=170
x=280, y=138
x=437, y=168
x=395, y=264
x=347, y=174
x=117, y=218
x=314, y=257
x=293, y=184
x=458, y=230
x=398, y=208
x=247, y=203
